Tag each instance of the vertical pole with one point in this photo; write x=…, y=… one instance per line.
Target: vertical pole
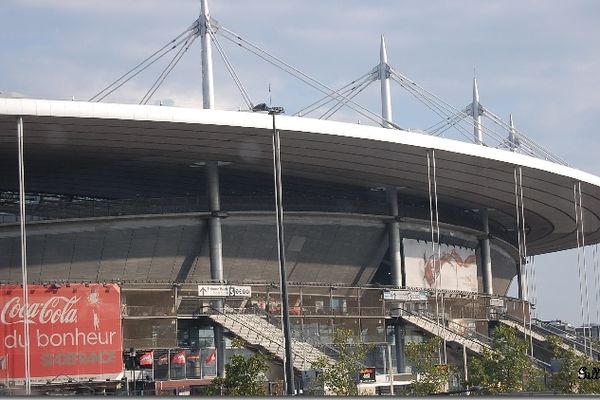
x=384, y=77
x=285, y=315
x=394, y=238
x=24, y=255
x=390, y=369
x=169, y=364
x=476, y=114
x=465, y=365
x=486, y=259
x=519, y=280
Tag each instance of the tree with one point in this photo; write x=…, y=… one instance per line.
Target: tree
x=505, y=367
x=341, y=376
x=570, y=378
x=243, y=376
x=431, y=377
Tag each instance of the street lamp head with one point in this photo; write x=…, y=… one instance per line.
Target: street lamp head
x=271, y=110
x=276, y=110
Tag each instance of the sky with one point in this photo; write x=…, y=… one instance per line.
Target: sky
x=539, y=60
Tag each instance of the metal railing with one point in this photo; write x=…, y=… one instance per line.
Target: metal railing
x=570, y=338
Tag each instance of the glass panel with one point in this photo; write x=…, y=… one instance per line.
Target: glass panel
x=350, y=324
x=372, y=330
x=141, y=303
x=316, y=300
x=371, y=301
x=149, y=333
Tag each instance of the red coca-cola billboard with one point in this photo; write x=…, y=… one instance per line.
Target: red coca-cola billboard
x=74, y=332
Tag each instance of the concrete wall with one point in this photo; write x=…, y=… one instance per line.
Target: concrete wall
x=175, y=248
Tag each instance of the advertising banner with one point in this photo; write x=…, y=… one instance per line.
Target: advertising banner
x=456, y=268
x=74, y=332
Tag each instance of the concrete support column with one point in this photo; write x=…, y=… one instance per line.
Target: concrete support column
x=216, y=251
x=394, y=239
x=214, y=206
x=399, y=333
x=486, y=258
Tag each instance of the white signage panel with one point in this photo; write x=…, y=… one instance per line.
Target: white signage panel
x=497, y=302
x=224, y=291
x=404, y=295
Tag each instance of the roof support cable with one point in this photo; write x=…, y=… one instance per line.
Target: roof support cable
x=336, y=107
x=437, y=239
x=371, y=75
x=337, y=104
x=533, y=290
x=433, y=251
x=126, y=77
x=441, y=111
x=161, y=78
x=345, y=91
x=425, y=96
x=444, y=109
x=348, y=93
x=230, y=68
x=439, y=128
x=322, y=102
x=521, y=264
x=537, y=149
x=524, y=241
x=259, y=52
x=596, y=281
x=579, y=269
x=585, y=275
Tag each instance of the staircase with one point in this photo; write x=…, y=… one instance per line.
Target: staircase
x=537, y=335
x=474, y=344
x=454, y=332
x=258, y=332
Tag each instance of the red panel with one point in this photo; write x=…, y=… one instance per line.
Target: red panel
x=74, y=332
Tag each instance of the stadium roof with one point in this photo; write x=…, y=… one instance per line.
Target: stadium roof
x=81, y=136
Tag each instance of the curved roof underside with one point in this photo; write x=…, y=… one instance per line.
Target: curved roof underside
x=84, y=139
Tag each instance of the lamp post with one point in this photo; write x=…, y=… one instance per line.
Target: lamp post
x=285, y=315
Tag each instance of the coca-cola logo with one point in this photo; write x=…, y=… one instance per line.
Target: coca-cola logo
x=57, y=309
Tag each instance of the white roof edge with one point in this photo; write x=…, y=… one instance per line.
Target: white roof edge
x=80, y=109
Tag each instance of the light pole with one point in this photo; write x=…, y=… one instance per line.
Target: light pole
x=285, y=315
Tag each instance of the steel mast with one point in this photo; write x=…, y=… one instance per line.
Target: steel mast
x=208, y=92
x=476, y=114
x=384, y=77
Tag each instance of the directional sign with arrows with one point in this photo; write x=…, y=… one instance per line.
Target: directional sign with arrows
x=224, y=291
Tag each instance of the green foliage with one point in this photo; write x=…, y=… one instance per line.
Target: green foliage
x=424, y=357
x=567, y=380
x=243, y=376
x=506, y=367
x=341, y=377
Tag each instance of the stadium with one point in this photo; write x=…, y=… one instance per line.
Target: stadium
x=149, y=211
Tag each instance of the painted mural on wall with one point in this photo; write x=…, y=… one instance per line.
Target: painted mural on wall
x=456, y=268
